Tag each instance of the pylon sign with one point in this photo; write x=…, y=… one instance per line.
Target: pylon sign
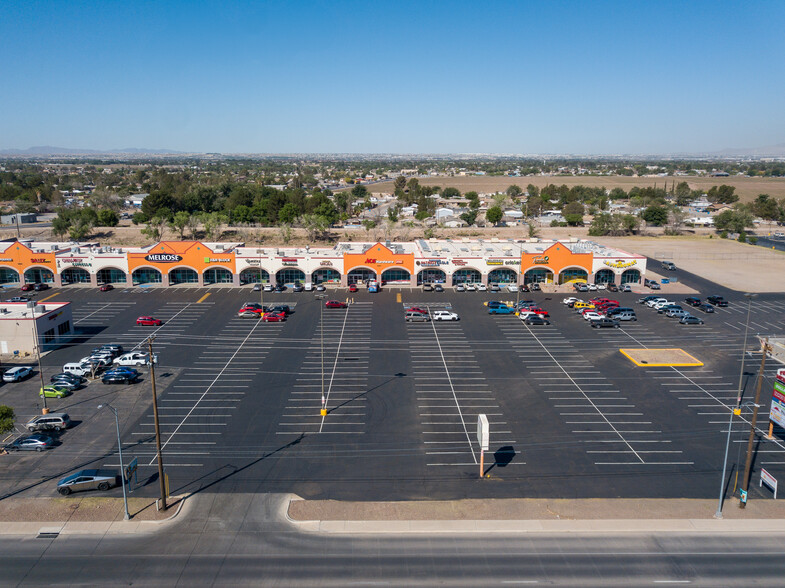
x=483, y=432
x=777, y=411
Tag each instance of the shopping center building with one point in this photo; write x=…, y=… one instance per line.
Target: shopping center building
x=450, y=262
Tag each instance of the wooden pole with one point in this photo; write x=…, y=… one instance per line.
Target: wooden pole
x=745, y=481
x=482, y=463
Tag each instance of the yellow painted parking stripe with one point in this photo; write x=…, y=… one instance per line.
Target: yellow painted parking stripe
x=398, y=297
x=48, y=297
x=202, y=299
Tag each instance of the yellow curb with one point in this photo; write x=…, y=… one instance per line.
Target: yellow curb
x=628, y=353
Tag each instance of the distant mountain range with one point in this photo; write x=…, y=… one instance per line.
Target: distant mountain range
x=777, y=150
x=48, y=150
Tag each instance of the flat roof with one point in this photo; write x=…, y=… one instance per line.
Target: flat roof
x=19, y=310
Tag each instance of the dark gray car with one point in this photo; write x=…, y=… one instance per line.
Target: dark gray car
x=37, y=442
x=88, y=480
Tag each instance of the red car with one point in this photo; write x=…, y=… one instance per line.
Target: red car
x=416, y=309
x=335, y=304
x=538, y=311
x=353, y=288
x=106, y=287
x=148, y=321
x=28, y=287
x=273, y=317
x=257, y=308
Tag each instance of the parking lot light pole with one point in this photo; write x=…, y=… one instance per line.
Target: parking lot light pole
x=736, y=410
x=120, y=451
x=745, y=481
x=162, y=482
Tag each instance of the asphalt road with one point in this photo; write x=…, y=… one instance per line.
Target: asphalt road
x=238, y=541
x=569, y=415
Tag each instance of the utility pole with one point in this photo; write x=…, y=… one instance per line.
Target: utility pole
x=45, y=409
x=161, y=481
x=746, y=479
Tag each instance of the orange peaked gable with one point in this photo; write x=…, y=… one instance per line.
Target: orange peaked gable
x=20, y=257
x=169, y=254
x=557, y=257
x=378, y=257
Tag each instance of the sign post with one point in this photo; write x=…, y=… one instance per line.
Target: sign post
x=769, y=480
x=777, y=411
x=483, y=438
x=131, y=470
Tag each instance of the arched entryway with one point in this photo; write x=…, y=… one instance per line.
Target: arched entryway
x=431, y=275
x=217, y=275
x=254, y=275
x=538, y=275
x=503, y=275
x=111, y=275
x=604, y=276
x=466, y=276
x=396, y=275
x=325, y=276
x=631, y=276
x=183, y=275
x=289, y=275
x=75, y=275
x=146, y=275
x=572, y=274
x=39, y=275
x=8, y=276
x=360, y=274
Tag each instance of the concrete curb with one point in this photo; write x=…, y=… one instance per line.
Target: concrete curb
x=121, y=527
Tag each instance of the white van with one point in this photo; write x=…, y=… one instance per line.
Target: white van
x=78, y=369
x=308, y=287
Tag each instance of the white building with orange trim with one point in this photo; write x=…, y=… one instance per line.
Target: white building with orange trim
x=450, y=262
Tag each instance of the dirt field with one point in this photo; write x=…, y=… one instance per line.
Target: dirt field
x=746, y=188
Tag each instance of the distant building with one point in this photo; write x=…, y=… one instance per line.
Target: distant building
x=135, y=200
x=23, y=218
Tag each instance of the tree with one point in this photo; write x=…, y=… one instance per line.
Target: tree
x=683, y=194
x=155, y=228
x=514, y=191
x=733, y=220
x=6, y=419
x=448, y=193
x=315, y=226
x=400, y=183
x=288, y=213
x=107, y=218
x=179, y=223
x=766, y=207
x=474, y=199
x=421, y=215
x=60, y=226
x=359, y=192
x=494, y=215
x=655, y=215
x=193, y=225
x=155, y=201
x=573, y=213
x=533, y=206
x=722, y=194
x=214, y=223
x=469, y=217
x=79, y=230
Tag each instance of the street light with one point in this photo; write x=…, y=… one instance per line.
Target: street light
x=737, y=409
x=31, y=305
x=120, y=451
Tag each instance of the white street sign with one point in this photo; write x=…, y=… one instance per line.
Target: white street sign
x=483, y=432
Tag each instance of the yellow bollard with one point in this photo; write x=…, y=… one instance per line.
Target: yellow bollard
x=323, y=412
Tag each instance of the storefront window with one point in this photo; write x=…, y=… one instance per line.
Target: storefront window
x=398, y=275
x=573, y=273
x=111, y=276
x=254, y=275
x=466, y=276
x=217, y=275
x=289, y=275
x=504, y=276
x=631, y=276
x=360, y=274
x=322, y=276
x=37, y=275
x=147, y=275
x=8, y=276
x=538, y=275
x=183, y=275
x=75, y=275
x=431, y=276
x=604, y=276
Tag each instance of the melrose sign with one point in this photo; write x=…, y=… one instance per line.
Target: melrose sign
x=163, y=257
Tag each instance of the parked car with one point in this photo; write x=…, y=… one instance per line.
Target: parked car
x=460, y=288
x=592, y=316
x=19, y=299
x=651, y=284
x=274, y=317
x=664, y=308
x=482, y=288
x=257, y=288
x=693, y=301
x=298, y=287
x=67, y=384
x=604, y=323
x=539, y=311
x=668, y=265
x=66, y=377
x=135, y=358
x=444, y=315
x=41, y=287
x=626, y=288
x=54, y=391
x=569, y=300
x=320, y=288
x=502, y=309
x=438, y=288
x=27, y=287
x=88, y=480
x=280, y=288
x=16, y=374
x=535, y=287
x=335, y=304
x=471, y=287
x=427, y=287
x=36, y=442
x=580, y=305
x=416, y=317
x=148, y=321
x=353, y=288
x=677, y=313
x=268, y=287
x=717, y=300
x=512, y=287
x=613, y=287
x=690, y=320
x=119, y=377
x=495, y=288
x=534, y=319
x=707, y=308
x=646, y=299
x=54, y=421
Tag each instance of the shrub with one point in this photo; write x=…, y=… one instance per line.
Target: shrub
x=6, y=418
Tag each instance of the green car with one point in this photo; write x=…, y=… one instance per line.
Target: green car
x=54, y=392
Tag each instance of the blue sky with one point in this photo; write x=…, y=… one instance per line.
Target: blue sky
x=426, y=77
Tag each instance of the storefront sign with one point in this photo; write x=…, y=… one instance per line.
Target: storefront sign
x=620, y=263
x=70, y=259
x=81, y=264
x=777, y=411
x=38, y=260
x=54, y=316
x=377, y=261
x=431, y=262
x=326, y=263
x=458, y=262
x=495, y=262
x=217, y=259
x=542, y=260
x=163, y=257
x=289, y=262
x=253, y=261
x=512, y=262
x=6, y=259
x=285, y=260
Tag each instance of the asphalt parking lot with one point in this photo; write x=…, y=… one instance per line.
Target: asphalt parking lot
x=569, y=415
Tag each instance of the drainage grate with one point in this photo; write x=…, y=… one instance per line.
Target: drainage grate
x=48, y=535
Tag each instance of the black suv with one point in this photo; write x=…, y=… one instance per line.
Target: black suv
x=717, y=300
x=284, y=308
x=605, y=323
x=693, y=301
